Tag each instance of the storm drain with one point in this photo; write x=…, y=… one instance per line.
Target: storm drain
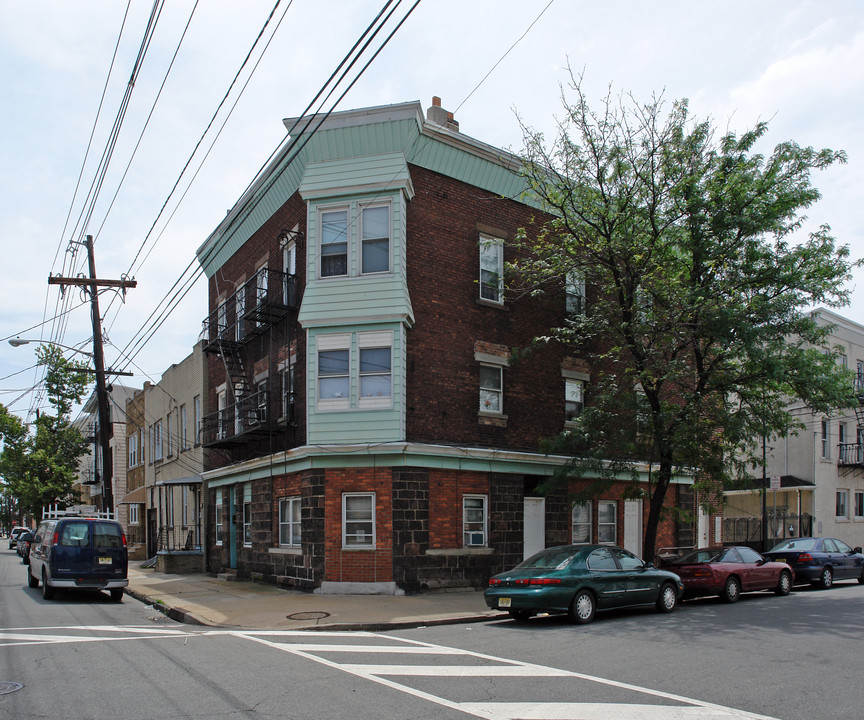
x=9, y=687
x=311, y=615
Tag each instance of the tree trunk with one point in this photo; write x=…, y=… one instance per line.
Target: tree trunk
x=655, y=508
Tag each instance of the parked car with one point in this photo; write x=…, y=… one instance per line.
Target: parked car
x=13, y=536
x=820, y=560
x=23, y=545
x=82, y=553
x=730, y=571
x=580, y=580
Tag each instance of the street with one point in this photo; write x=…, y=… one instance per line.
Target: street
x=82, y=656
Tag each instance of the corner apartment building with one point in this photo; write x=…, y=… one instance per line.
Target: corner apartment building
x=820, y=470
x=370, y=429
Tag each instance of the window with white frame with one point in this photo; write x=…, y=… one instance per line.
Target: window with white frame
x=375, y=369
x=133, y=450
x=574, y=293
x=491, y=389
x=358, y=520
x=240, y=311
x=222, y=318
x=288, y=392
x=842, y=505
x=607, y=522
x=360, y=378
x=289, y=266
x=491, y=269
x=375, y=239
x=826, y=441
x=247, y=514
x=859, y=505
x=222, y=415
x=134, y=514
x=334, y=372
x=171, y=433
x=573, y=398
x=196, y=418
x=474, y=520
x=289, y=522
x=262, y=285
x=261, y=401
x=184, y=434
x=581, y=523
x=218, y=519
x=334, y=243
x=157, y=440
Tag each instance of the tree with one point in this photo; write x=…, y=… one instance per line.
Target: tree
x=697, y=328
x=41, y=468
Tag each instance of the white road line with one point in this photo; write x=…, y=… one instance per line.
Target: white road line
x=455, y=670
x=598, y=711
x=390, y=649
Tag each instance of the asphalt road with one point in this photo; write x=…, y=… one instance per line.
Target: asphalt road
x=82, y=656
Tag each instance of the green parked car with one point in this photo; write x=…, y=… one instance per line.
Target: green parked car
x=580, y=580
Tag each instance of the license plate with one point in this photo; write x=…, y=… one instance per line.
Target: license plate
x=503, y=602
x=104, y=561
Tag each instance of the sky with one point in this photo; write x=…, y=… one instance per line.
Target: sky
x=797, y=65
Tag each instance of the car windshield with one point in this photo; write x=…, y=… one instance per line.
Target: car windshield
x=557, y=558
x=798, y=544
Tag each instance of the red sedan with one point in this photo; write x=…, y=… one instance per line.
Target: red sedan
x=729, y=571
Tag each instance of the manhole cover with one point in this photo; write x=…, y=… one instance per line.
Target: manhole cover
x=314, y=615
x=9, y=687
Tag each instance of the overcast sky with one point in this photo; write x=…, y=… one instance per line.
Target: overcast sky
x=796, y=64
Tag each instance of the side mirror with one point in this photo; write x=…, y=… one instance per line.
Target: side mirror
x=649, y=565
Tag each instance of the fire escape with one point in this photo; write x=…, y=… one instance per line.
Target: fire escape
x=851, y=455
x=262, y=302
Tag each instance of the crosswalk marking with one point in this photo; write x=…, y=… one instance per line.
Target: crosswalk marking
x=456, y=670
x=596, y=711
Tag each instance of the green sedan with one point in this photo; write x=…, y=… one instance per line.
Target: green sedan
x=580, y=580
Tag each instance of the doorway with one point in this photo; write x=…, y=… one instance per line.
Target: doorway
x=534, y=526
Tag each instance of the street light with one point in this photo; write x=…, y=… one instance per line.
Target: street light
x=18, y=342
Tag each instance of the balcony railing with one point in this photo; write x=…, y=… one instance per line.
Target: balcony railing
x=851, y=454
x=235, y=421
x=264, y=299
x=174, y=538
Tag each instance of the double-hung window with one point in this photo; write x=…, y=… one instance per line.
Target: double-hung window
x=375, y=369
x=222, y=318
x=573, y=398
x=859, y=505
x=184, y=433
x=133, y=450
x=358, y=520
x=474, y=520
x=239, y=311
x=196, y=418
x=171, y=434
x=157, y=440
x=289, y=522
x=491, y=389
x=842, y=505
x=574, y=293
x=355, y=370
x=134, y=514
x=607, y=522
x=375, y=239
x=491, y=269
x=581, y=523
x=247, y=514
x=334, y=372
x=217, y=524
x=334, y=243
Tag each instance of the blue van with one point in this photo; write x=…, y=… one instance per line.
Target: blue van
x=79, y=553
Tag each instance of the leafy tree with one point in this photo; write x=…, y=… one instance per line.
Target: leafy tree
x=697, y=328
x=41, y=468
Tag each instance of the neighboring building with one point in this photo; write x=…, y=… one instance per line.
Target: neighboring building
x=134, y=502
x=371, y=431
x=820, y=470
x=91, y=467
x=171, y=495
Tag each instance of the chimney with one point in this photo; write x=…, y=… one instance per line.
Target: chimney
x=440, y=116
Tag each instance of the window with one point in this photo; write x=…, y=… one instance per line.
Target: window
x=247, y=514
x=133, y=450
x=349, y=378
x=601, y=559
x=607, y=518
x=841, y=433
x=240, y=310
x=375, y=369
x=171, y=432
x=491, y=269
x=581, y=523
x=218, y=520
x=134, y=515
x=826, y=449
x=358, y=520
x=289, y=265
x=262, y=278
x=196, y=418
x=157, y=440
x=627, y=560
x=842, y=505
x=289, y=522
x=491, y=389
x=859, y=504
x=574, y=293
x=288, y=393
x=334, y=243
x=222, y=318
x=184, y=435
x=572, y=399
x=333, y=375
x=261, y=401
x=474, y=520
x=375, y=240
x=222, y=415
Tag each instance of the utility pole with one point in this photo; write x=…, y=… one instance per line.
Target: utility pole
x=92, y=285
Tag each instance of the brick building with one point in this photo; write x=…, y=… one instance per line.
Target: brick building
x=370, y=429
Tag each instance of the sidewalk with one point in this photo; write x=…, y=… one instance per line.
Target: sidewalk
x=201, y=599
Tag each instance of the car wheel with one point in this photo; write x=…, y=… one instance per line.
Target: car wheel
x=520, y=615
x=784, y=584
x=47, y=590
x=667, y=601
x=582, y=608
x=732, y=590
x=31, y=581
x=826, y=579
x=117, y=594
